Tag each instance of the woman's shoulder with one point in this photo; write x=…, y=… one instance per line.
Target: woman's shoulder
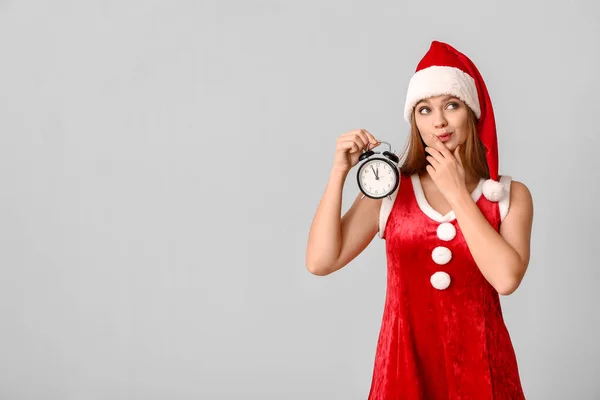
x=518, y=196
x=518, y=188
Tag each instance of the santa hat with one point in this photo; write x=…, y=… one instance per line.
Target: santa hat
x=445, y=70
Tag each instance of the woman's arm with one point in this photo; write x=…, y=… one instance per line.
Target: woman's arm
x=502, y=257
x=333, y=241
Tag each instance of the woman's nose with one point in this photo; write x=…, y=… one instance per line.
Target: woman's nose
x=440, y=121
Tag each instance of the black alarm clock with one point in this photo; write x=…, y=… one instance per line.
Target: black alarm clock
x=378, y=176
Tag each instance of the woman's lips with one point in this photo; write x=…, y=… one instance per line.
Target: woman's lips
x=445, y=137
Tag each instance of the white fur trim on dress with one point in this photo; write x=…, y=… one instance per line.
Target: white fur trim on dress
x=493, y=190
x=430, y=211
x=505, y=201
x=438, y=80
x=386, y=208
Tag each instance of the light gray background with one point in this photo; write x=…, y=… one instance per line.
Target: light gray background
x=161, y=163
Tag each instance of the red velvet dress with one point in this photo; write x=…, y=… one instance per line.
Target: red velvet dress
x=442, y=333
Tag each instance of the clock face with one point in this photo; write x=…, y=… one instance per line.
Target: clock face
x=377, y=178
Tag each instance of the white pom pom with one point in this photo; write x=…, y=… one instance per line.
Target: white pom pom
x=441, y=255
x=493, y=190
x=446, y=231
x=440, y=280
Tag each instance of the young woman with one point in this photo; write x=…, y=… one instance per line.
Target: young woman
x=457, y=235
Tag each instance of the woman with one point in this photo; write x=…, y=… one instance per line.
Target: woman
x=457, y=235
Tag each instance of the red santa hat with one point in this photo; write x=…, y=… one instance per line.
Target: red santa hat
x=445, y=70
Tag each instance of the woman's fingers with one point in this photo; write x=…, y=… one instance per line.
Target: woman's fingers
x=365, y=136
x=435, y=153
x=430, y=170
x=441, y=147
x=372, y=139
x=358, y=143
x=434, y=163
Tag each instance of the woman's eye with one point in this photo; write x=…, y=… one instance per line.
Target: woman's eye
x=452, y=106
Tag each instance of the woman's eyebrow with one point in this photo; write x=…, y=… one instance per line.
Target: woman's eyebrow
x=444, y=99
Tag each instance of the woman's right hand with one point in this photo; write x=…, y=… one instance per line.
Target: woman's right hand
x=349, y=147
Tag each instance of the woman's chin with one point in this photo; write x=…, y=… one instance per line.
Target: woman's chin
x=450, y=145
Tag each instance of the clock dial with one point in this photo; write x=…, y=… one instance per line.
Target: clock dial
x=377, y=178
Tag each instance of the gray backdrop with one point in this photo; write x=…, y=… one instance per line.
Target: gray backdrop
x=161, y=163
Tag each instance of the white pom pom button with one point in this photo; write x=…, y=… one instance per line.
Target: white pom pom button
x=441, y=255
x=440, y=280
x=446, y=231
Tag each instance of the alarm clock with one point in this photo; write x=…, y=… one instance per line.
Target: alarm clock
x=378, y=176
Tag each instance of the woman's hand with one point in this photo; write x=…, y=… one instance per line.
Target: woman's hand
x=446, y=170
x=349, y=147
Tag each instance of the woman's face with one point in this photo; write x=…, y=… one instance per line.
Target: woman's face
x=441, y=115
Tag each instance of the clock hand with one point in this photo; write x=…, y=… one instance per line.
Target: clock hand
x=376, y=176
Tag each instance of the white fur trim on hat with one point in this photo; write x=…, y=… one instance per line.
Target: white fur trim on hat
x=438, y=80
x=493, y=190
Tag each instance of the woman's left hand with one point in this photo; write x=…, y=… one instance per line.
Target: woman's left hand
x=446, y=170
